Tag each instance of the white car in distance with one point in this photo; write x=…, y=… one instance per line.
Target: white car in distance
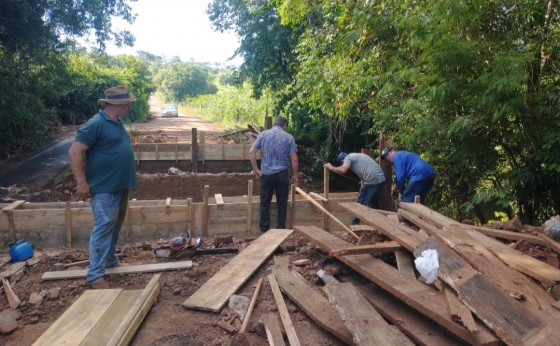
x=169, y=110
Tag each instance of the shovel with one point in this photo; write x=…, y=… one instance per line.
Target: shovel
x=240, y=339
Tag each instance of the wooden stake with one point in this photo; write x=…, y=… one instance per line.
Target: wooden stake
x=13, y=299
x=68, y=214
x=315, y=203
x=206, y=211
x=249, y=206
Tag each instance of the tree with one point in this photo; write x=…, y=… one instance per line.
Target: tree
x=177, y=81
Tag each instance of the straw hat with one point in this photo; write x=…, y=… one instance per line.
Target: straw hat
x=118, y=95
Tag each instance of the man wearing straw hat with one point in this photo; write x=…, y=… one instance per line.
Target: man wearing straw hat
x=102, y=161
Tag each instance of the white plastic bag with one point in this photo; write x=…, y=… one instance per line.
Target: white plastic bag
x=427, y=265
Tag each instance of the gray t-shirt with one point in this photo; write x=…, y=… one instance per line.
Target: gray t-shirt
x=365, y=167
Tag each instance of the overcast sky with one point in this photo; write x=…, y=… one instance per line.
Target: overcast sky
x=177, y=28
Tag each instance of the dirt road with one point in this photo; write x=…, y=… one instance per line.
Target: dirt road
x=50, y=166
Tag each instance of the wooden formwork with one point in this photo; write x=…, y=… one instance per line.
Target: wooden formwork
x=184, y=152
x=68, y=224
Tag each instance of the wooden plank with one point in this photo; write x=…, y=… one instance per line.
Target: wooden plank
x=168, y=202
x=13, y=299
x=131, y=321
x=316, y=306
x=404, y=263
x=219, y=199
x=14, y=205
x=80, y=318
x=216, y=291
x=320, y=207
x=105, y=328
x=508, y=318
x=399, y=233
x=141, y=268
x=419, y=329
x=410, y=291
x=273, y=331
x=508, y=279
x=539, y=270
x=373, y=249
x=459, y=312
x=283, y=310
x=365, y=323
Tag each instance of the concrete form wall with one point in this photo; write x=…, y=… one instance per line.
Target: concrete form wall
x=68, y=224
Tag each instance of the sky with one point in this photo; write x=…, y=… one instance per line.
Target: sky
x=177, y=28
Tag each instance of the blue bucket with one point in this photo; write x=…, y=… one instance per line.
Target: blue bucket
x=20, y=250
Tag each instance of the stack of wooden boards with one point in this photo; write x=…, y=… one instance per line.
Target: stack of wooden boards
x=485, y=292
x=102, y=317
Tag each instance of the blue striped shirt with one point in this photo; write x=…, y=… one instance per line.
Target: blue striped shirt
x=276, y=145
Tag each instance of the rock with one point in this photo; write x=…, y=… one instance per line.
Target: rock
x=555, y=291
x=468, y=222
x=522, y=246
x=53, y=293
x=239, y=305
x=222, y=240
x=8, y=321
x=552, y=228
x=59, y=267
x=35, y=299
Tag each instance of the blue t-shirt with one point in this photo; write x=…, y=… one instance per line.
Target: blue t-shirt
x=109, y=159
x=276, y=145
x=411, y=167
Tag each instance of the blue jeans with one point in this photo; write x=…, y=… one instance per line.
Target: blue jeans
x=368, y=196
x=109, y=210
x=278, y=183
x=418, y=188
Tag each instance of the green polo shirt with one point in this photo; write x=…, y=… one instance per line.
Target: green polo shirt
x=109, y=159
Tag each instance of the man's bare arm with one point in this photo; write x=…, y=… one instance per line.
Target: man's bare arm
x=295, y=168
x=76, y=158
x=338, y=170
x=253, y=159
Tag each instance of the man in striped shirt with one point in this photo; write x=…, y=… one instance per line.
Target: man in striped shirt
x=278, y=152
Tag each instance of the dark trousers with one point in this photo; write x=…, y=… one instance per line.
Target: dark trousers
x=368, y=196
x=278, y=183
x=418, y=188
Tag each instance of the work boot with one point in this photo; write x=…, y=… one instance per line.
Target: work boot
x=101, y=284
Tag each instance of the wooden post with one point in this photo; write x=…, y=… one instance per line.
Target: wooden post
x=11, y=219
x=417, y=199
x=194, y=150
x=202, y=148
x=68, y=214
x=157, y=152
x=326, y=187
x=128, y=223
x=176, y=151
x=292, y=206
x=385, y=200
x=249, y=206
x=189, y=214
x=267, y=123
x=206, y=211
x=138, y=154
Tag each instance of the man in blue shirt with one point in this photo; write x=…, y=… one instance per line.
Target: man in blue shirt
x=413, y=175
x=368, y=171
x=278, y=150
x=106, y=175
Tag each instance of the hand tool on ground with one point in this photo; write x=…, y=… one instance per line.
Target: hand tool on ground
x=240, y=339
x=181, y=247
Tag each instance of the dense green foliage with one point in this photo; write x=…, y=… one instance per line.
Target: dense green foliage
x=177, y=81
x=470, y=85
x=44, y=84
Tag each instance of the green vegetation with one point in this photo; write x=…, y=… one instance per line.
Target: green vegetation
x=471, y=86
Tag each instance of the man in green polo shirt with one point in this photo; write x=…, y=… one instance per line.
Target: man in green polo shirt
x=102, y=160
